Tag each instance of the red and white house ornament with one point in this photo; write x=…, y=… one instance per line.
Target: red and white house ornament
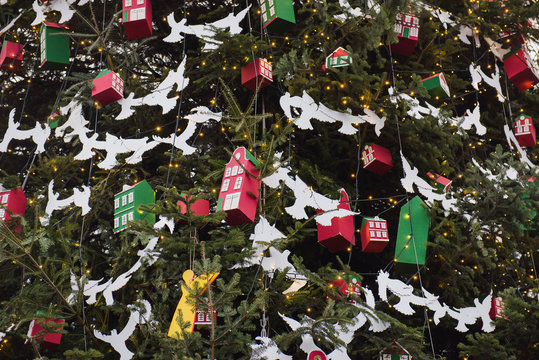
x=525, y=131
x=340, y=235
x=239, y=189
x=496, y=308
x=108, y=87
x=204, y=318
x=11, y=56
x=407, y=29
x=442, y=183
x=520, y=68
x=376, y=159
x=257, y=73
x=338, y=58
x=49, y=340
x=346, y=288
x=137, y=18
x=12, y=202
x=374, y=235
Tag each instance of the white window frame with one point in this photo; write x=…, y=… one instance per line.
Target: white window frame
x=235, y=170
x=231, y=201
x=238, y=182
x=124, y=219
x=227, y=171
x=116, y=222
x=5, y=198
x=226, y=184
x=140, y=2
x=130, y=197
x=124, y=200
x=116, y=203
x=130, y=216
x=128, y=3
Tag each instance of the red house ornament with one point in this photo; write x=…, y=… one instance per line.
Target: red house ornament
x=407, y=30
x=11, y=56
x=257, y=73
x=339, y=236
x=49, y=340
x=521, y=69
x=496, y=308
x=374, y=235
x=352, y=286
x=525, y=131
x=441, y=183
x=137, y=18
x=204, y=318
x=239, y=189
x=108, y=87
x=376, y=159
x=12, y=202
x=200, y=207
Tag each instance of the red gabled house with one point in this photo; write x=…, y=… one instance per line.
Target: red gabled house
x=239, y=189
x=12, y=202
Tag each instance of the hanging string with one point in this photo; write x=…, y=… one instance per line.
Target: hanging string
x=178, y=114
x=410, y=212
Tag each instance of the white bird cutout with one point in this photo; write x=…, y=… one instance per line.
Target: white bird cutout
x=311, y=110
x=205, y=32
x=159, y=96
x=38, y=134
x=118, y=339
x=264, y=234
x=80, y=198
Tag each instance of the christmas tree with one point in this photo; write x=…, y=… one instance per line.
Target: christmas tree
x=268, y=179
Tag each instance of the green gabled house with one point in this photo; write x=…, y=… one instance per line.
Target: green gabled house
x=127, y=205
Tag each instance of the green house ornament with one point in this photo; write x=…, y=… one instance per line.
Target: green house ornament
x=411, y=247
x=338, y=58
x=277, y=14
x=127, y=205
x=54, y=47
x=436, y=86
x=395, y=352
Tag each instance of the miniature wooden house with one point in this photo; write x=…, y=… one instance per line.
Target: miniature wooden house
x=436, y=86
x=374, y=235
x=49, y=340
x=496, y=308
x=12, y=202
x=339, y=236
x=395, y=352
x=338, y=58
x=108, y=87
x=197, y=207
x=411, y=251
x=352, y=286
x=376, y=159
x=521, y=69
x=441, y=183
x=11, y=56
x=239, y=189
x=137, y=18
x=525, y=131
x=54, y=47
x=257, y=74
x=127, y=203
x=204, y=318
x=407, y=30
x=277, y=15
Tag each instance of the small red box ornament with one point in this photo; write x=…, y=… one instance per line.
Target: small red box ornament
x=11, y=56
x=441, y=183
x=137, y=18
x=256, y=73
x=352, y=286
x=407, y=30
x=12, y=201
x=50, y=340
x=374, y=235
x=239, y=189
x=521, y=69
x=496, y=308
x=377, y=159
x=108, y=87
x=525, y=131
x=339, y=236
